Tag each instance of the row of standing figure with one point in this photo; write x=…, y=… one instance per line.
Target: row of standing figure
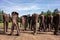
x=45, y=22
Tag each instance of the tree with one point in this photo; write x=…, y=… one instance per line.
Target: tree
x=1, y=16
x=49, y=12
x=55, y=12
x=43, y=13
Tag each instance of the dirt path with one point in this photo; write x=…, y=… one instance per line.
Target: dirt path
x=27, y=35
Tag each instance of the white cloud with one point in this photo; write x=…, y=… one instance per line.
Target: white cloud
x=7, y=1
x=25, y=7
x=19, y=8
x=31, y=7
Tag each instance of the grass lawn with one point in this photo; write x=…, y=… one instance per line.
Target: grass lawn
x=1, y=25
x=10, y=24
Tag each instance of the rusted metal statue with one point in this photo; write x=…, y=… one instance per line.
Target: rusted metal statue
x=5, y=21
x=34, y=22
x=50, y=22
x=42, y=22
x=30, y=22
x=56, y=23
x=15, y=23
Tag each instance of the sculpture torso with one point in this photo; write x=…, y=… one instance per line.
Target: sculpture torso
x=6, y=17
x=14, y=19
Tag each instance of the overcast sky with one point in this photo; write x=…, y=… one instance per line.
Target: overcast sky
x=24, y=7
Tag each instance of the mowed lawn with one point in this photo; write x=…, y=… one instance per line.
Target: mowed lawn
x=9, y=25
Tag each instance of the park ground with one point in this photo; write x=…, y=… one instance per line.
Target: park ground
x=27, y=35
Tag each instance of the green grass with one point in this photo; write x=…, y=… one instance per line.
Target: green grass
x=1, y=24
x=9, y=25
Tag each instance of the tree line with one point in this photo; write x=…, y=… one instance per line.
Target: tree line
x=42, y=12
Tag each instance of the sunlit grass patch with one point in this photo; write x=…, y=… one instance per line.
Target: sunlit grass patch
x=9, y=25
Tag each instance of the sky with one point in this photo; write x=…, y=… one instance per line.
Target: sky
x=24, y=7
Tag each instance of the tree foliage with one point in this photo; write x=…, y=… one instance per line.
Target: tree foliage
x=1, y=16
x=55, y=12
x=49, y=12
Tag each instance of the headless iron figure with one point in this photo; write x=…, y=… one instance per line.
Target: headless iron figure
x=14, y=24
